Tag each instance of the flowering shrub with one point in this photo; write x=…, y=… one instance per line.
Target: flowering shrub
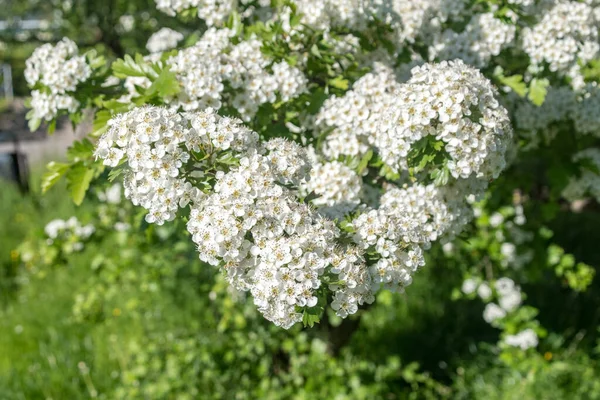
x=318, y=150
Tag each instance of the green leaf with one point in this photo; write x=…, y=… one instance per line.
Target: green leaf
x=52, y=127
x=314, y=50
x=94, y=60
x=114, y=173
x=129, y=67
x=101, y=119
x=312, y=316
x=440, y=176
x=538, y=90
x=515, y=82
x=115, y=107
x=79, y=178
x=166, y=85
x=34, y=123
x=310, y=197
x=316, y=100
x=54, y=172
x=340, y=83
x=364, y=162
x=80, y=151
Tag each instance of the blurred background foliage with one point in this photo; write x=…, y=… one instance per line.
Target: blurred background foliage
x=113, y=27
x=134, y=314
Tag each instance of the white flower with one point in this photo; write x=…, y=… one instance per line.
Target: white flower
x=525, y=339
x=493, y=312
x=484, y=291
x=164, y=39
x=469, y=286
x=59, y=69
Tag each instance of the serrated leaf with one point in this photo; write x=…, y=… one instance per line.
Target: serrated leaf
x=94, y=60
x=440, y=176
x=55, y=171
x=115, y=106
x=127, y=66
x=538, y=90
x=79, y=178
x=166, y=85
x=80, y=151
x=312, y=316
x=515, y=82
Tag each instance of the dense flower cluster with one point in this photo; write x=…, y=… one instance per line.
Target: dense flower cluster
x=337, y=187
x=213, y=63
x=250, y=223
x=213, y=12
x=452, y=103
x=268, y=242
x=449, y=102
x=151, y=140
x=407, y=19
x=54, y=72
x=164, y=39
x=352, y=120
x=565, y=35
x=246, y=215
x=483, y=37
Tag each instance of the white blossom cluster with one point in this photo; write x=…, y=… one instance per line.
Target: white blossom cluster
x=59, y=230
x=533, y=120
x=394, y=236
x=337, y=187
x=250, y=222
x=268, y=242
x=566, y=35
x=525, y=339
x=452, y=103
x=164, y=39
x=354, y=14
x=483, y=37
x=408, y=19
x=54, y=72
x=470, y=286
x=155, y=143
x=589, y=181
x=511, y=256
x=46, y=105
x=214, y=62
x=351, y=121
x=405, y=219
x=213, y=12
x=509, y=298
